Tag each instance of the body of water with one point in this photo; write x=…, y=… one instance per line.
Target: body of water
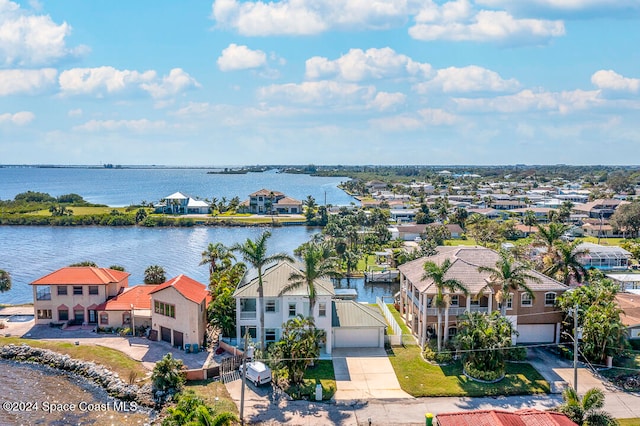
x=38, y=395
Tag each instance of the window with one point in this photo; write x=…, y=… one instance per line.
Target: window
x=126, y=318
x=525, y=300
x=454, y=300
x=475, y=302
x=292, y=309
x=77, y=290
x=164, y=309
x=270, y=306
x=44, y=314
x=510, y=301
x=43, y=292
x=104, y=318
x=549, y=299
x=270, y=335
x=63, y=315
x=62, y=290
x=252, y=331
x=93, y=289
x=322, y=309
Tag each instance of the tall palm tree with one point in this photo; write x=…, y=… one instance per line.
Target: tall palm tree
x=586, y=410
x=507, y=276
x=217, y=256
x=154, y=274
x=549, y=236
x=5, y=281
x=316, y=266
x=567, y=263
x=529, y=219
x=437, y=274
x=255, y=254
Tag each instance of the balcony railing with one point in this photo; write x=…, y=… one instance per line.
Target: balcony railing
x=248, y=315
x=453, y=311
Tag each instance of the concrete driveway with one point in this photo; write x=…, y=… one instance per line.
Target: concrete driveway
x=365, y=373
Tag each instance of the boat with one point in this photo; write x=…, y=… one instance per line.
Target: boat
x=383, y=276
x=346, y=293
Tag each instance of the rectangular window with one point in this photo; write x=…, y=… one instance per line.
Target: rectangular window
x=44, y=314
x=63, y=315
x=525, y=300
x=156, y=307
x=322, y=309
x=454, y=300
x=549, y=299
x=270, y=335
x=104, y=318
x=62, y=290
x=43, y=292
x=252, y=331
x=475, y=302
x=93, y=289
x=270, y=306
x=292, y=309
x=77, y=290
x=510, y=301
x=164, y=309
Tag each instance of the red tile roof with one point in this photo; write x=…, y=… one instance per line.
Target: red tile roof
x=188, y=287
x=82, y=275
x=138, y=296
x=504, y=418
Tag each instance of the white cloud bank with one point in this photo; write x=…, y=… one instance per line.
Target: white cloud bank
x=19, y=118
x=136, y=126
x=611, y=80
x=235, y=57
x=18, y=81
x=467, y=79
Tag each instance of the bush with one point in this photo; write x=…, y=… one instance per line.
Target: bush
x=487, y=376
x=439, y=358
x=517, y=354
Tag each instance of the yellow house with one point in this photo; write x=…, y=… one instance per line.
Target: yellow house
x=179, y=311
x=74, y=293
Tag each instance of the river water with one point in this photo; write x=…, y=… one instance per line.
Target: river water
x=37, y=395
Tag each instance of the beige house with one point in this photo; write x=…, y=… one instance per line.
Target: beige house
x=267, y=201
x=131, y=302
x=179, y=311
x=537, y=320
x=73, y=294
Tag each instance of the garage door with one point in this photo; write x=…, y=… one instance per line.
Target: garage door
x=356, y=338
x=178, y=339
x=165, y=334
x=536, y=333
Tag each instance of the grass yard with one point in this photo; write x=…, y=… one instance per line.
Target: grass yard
x=112, y=359
x=321, y=373
x=629, y=422
x=420, y=378
x=83, y=211
x=407, y=337
x=459, y=242
x=214, y=394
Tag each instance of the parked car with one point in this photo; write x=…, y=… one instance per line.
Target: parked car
x=258, y=373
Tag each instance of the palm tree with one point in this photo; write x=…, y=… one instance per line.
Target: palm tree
x=529, y=219
x=154, y=274
x=548, y=236
x=567, y=263
x=5, y=281
x=437, y=274
x=508, y=276
x=255, y=254
x=217, y=256
x=316, y=267
x=586, y=410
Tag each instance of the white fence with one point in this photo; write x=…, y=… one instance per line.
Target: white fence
x=394, y=339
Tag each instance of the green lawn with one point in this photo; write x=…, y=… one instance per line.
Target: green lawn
x=407, y=337
x=322, y=372
x=82, y=211
x=629, y=422
x=214, y=394
x=458, y=242
x=420, y=378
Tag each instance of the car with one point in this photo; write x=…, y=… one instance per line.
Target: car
x=257, y=372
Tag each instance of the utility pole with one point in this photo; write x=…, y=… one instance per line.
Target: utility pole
x=575, y=348
x=244, y=375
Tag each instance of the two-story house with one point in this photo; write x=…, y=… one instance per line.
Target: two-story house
x=179, y=311
x=266, y=201
x=537, y=320
x=74, y=293
x=178, y=203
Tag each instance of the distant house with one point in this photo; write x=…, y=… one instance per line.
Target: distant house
x=630, y=316
x=605, y=258
x=178, y=203
x=266, y=201
x=508, y=204
x=179, y=311
x=75, y=293
x=490, y=213
x=118, y=311
x=537, y=320
x=494, y=417
x=403, y=215
x=601, y=208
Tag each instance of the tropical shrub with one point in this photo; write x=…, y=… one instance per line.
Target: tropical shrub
x=168, y=374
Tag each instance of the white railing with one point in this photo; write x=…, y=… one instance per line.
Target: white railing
x=248, y=315
x=458, y=311
x=390, y=318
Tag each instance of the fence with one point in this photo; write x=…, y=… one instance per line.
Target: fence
x=394, y=339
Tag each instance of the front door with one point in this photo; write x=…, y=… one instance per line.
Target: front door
x=78, y=316
x=93, y=318
x=165, y=334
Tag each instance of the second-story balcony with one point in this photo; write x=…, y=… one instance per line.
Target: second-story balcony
x=455, y=311
x=248, y=315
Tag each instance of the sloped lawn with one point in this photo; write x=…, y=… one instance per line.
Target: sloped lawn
x=322, y=372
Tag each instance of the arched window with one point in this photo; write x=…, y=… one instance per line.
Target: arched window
x=549, y=299
x=526, y=300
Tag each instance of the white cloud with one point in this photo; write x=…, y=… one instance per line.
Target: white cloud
x=527, y=100
x=358, y=65
x=427, y=117
x=458, y=21
x=467, y=79
x=611, y=80
x=19, y=118
x=75, y=112
x=306, y=17
x=31, y=40
x=384, y=101
x=106, y=80
x=136, y=126
x=18, y=81
x=172, y=84
x=437, y=117
x=236, y=57
x=318, y=93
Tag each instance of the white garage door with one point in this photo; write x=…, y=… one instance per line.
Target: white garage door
x=356, y=338
x=536, y=333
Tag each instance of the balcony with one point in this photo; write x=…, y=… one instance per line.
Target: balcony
x=247, y=315
x=455, y=311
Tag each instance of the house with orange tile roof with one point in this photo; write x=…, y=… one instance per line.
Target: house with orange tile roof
x=73, y=293
x=179, y=311
x=131, y=302
x=527, y=417
x=266, y=201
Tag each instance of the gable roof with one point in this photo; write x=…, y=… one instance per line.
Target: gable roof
x=630, y=305
x=348, y=313
x=465, y=261
x=176, y=196
x=275, y=278
x=86, y=275
x=138, y=296
x=527, y=417
x=266, y=193
x=188, y=287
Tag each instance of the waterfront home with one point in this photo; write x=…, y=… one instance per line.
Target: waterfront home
x=179, y=311
x=537, y=320
x=345, y=323
x=599, y=209
x=605, y=258
x=178, y=203
x=74, y=293
x=133, y=302
x=266, y=201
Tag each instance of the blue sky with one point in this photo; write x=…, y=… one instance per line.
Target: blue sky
x=320, y=81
